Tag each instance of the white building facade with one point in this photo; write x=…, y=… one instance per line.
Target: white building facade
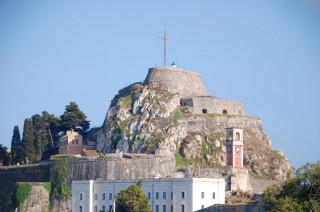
x=164, y=195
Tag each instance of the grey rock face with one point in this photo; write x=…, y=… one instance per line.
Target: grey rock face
x=148, y=118
x=38, y=199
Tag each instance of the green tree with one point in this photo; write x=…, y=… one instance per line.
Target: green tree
x=74, y=118
x=132, y=199
x=298, y=193
x=40, y=135
x=16, y=146
x=4, y=156
x=52, y=127
x=28, y=150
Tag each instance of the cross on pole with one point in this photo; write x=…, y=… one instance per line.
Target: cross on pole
x=165, y=38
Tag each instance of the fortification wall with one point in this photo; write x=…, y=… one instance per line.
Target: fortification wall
x=210, y=105
x=117, y=167
x=9, y=176
x=184, y=82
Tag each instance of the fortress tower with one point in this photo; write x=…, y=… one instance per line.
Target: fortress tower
x=192, y=91
x=234, y=147
x=177, y=80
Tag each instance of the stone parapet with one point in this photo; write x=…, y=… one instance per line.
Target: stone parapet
x=184, y=82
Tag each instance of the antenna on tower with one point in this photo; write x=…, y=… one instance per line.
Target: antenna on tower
x=165, y=38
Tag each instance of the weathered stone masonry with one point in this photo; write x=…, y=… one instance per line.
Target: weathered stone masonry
x=193, y=93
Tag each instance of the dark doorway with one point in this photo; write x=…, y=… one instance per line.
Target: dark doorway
x=225, y=112
x=204, y=111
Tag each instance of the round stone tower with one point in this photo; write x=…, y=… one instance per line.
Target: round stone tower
x=177, y=80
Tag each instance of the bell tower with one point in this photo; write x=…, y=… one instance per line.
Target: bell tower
x=234, y=147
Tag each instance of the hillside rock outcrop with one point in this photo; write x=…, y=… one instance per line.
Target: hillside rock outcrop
x=149, y=118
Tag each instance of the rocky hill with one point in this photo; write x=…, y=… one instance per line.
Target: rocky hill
x=159, y=116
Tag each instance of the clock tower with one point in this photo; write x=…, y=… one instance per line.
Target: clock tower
x=234, y=147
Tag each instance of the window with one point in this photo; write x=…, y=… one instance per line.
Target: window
x=95, y=196
x=164, y=208
x=81, y=196
x=157, y=208
x=149, y=195
x=171, y=208
x=157, y=195
x=202, y=195
x=110, y=196
x=202, y=206
x=103, y=208
x=182, y=208
x=103, y=196
x=80, y=208
x=204, y=111
x=73, y=142
x=225, y=112
x=164, y=195
x=213, y=195
x=171, y=195
x=76, y=141
x=237, y=136
x=95, y=209
x=182, y=195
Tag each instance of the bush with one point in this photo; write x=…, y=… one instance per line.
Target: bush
x=132, y=199
x=20, y=195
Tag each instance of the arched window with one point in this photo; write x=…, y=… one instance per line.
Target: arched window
x=204, y=111
x=225, y=112
x=237, y=136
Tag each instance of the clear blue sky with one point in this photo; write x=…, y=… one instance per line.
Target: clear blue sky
x=263, y=53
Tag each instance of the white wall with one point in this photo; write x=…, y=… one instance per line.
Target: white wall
x=192, y=188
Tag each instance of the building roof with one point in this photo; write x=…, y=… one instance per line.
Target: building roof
x=90, y=153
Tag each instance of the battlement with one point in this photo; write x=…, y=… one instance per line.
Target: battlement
x=186, y=83
x=210, y=105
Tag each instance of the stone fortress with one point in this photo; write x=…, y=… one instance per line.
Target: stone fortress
x=194, y=96
x=170, y=111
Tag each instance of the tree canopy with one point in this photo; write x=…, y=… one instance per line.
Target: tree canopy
x=16, y=146
x=132, y=199
x=299, y=193
x=28, y=150
x=4, y=157
x=74, y=118
x=41, y=133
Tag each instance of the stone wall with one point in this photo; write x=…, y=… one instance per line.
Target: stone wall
x=257, y=186
x=210, y=105
x=9, y=176
x=184, y=82
x=120, y=167
x=233, y=208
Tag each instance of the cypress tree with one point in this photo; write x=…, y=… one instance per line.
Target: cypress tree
x=16, y=145
x=28, y=149
x=40, y=138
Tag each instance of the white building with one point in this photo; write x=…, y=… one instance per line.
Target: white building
x=168, y=194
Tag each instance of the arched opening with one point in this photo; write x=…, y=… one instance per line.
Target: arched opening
x=225, y=112
x=204, y=111
x=237, y=136
x=240, y=112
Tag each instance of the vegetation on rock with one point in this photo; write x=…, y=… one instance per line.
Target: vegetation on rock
x=298, y=193
x=59, y=184
x=20, y=195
